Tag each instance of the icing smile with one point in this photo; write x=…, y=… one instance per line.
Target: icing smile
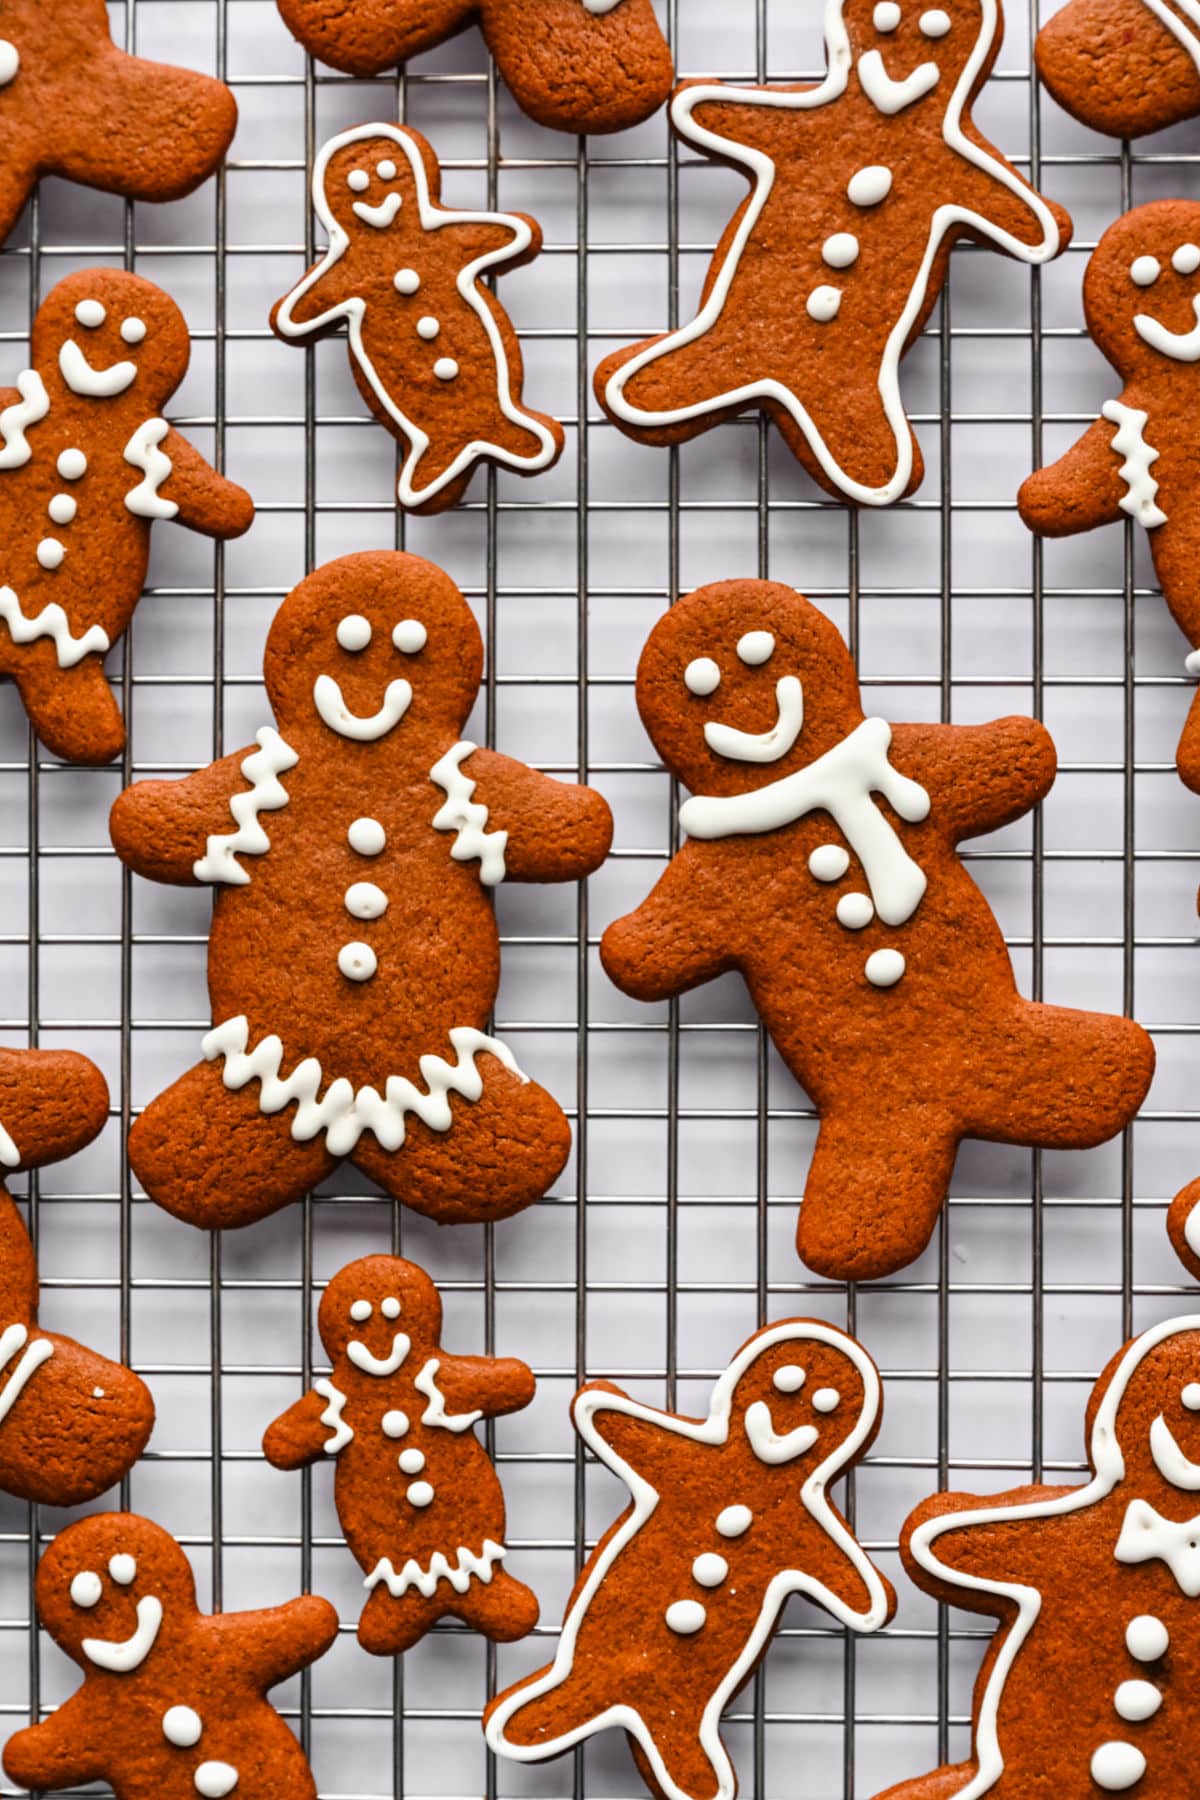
x=1182, y=346
x=327, y=697
x=888, y=95
x=768, y=1444
x=380, y=216
x=765, y=746
x=82, y=378
x=1169, y=1459
x=125, y=1654
x=362, y=1358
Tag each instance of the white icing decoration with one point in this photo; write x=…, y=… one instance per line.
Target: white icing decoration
x=71, y=465
x=16, y=418
x=386, y=170
x=1147, y=1537
x=10, y=62
x=467, y=1566
x=841, y=250
x=142, y=452
x=435, y=1413
x=361, y=1310
x=50, y=553
x=363, y=900
x=1137, y=1700
x=854, y=911
x=381, y=216
x=12, y=1339
x=1144, y=271
x=755, y=648
x=428, y=328
x=410, y=492
x=63, y=508
x=344, y=1113
x=685, y=1616
x=10, y=1156
x=702, y=676
x=357, y=961
x=1170, y=1460
x=133, y=331
x=327, y=697
x=467, y=818
x=789, y=1379
x=825, y=1400
x=889, y=96
x=86, y=1588
x=710, y=1569
x=411, y=1462
x=182, y=1726
x=419, y=1493
x=1190, y=1395
x=1117, y=1765
x=363, y=1359
x=824, y=304
x=1180, y=346
x=332, y=1416
x=91, y=313
x=214, y=1780
x=765, y=746
x=868, y=186
x=394, y=1424
x=51, y=622
x=410, y=636
x=828, y=862
x=1186, y=260
x=934, y=24
x=1146, y=1638
x=767, y=1444
x=1129, y=442
x=1179, y=28
x=445, y=368
x=886, y=16
x=883, y=968
x=262, y=769
x=366, y=837
x=734, y=1520
x=358, y=181
x=94, y=384
x=390, y=1307
x=123, y=1569
x=125, y=1655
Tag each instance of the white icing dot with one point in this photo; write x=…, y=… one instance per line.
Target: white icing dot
x=755, y=647
x=215, y=1779
x=123, y=1569
x=395, y=1423
x=934, y=24
x=884, y=968
x=1144, y=271
x=97, y=1393
x=358, y=181
x=734, y=1520
x=410, y=636
x=354, y=632
x=86, y=1588
x=50, y=553
x=685, y=1616
x=357, y=961
x=390, y=1307
x=823, y=303
x=133, y=331
x=840, y=250
x=1191, y=1396
x=419, y=1493
x=825, y=1399
x=710, y=1569
x=62, y=508
x=182, y=1726
x=386, y=170
x=1117, y=1765
x=367, y=836
x=886, y=16
x=445, y=368
x=406, y=281
x=854, y=911
x=363, y=900
x=789, y=1379
x=411, y=1461
x=1137, y=1700
x=1186, y=259
x=10, y=62
x=1146, y=1638
x=72, y=464
x=867, y=187
x=828, y=862
x=428, y=328
x=91, y=313
x=702, y=676
x=361, y=1311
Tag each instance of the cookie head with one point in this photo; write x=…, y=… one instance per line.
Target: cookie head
x=1156, y=1425
x=375, y=648
x=381, y=1313
x=1142, y=290
x=369, y=182
x=801, y=1397
x=742, y=683
x=114, y=337
x=110, y=1587
x=905, y=49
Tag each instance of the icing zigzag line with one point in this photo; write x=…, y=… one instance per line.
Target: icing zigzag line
x=267, y=794
x=51, y=622
x=1129, y=441
x=332, y=1416
x=457, y=1573
x=33, y=405
x=467, y=817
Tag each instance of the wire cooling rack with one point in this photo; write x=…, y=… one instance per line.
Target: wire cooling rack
x=691, y=1139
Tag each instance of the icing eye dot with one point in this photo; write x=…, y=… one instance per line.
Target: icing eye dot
x=825, y=1399
x=886, y=16
x=86, y=1588
x=354, y=632
x=406, y=281
x=828, y=862
x=358, y=181
x=1186, y=259
x=867, y=187
x=122, y=1568
x=386, y=170
x=1144, y=271
x=91, y=313
x=410, y=636
x=934, y=24
x=756, y=647
x=790, y=1379
x=133, y=331
x=72, y=464
x=702, y=676
x=1191, y=1396
x=361, y=1310
x=840, y=250
x=734, y=1521
x=367, y=837
x=391, y=1307
x=394, y=1424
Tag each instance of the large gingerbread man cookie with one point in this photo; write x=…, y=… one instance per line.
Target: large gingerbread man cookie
x=417, y=1496
x=1123, y=66
x=1092, y=1674
x=432, y=350
x=822, y=863
x=71, y=1422
x=830, y=267
x=728, y=1516
x=173, y=1702
x=72, y=104
x=86, y=467
x=576, y=65
x=1141, y=459
x=354, y=958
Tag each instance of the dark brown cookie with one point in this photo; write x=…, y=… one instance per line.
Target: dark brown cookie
x=1123, y=66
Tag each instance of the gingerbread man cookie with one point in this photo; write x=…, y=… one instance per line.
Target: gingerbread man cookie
x=71, y=1422
x=173, y=1700
x=1123, y=66
x=575, y=65
x=354, y=957
x=72, y=104
x=419, y=1501
x=728, y=1516
x=873, y=958
x=432, y=351
x=86, y=467
x=1090, y=1678
x=1140, y=460
x=831, y=266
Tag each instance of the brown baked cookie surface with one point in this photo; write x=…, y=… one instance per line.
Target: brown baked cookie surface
x=1183, y=1227
x=72, y=104
x=354, y=958
x=173, y=1700
x=727, y=1517
x=432, y=351
x=574, y=65
x=1095, y=1589
x=418, y=1499
x=71, y=1422
x=821, y=862
x=830, y=267
x=1141, y=459
x=1122, y=66
x=87, y=466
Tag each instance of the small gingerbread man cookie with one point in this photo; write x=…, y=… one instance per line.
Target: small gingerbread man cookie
x=86, y=467
x=729, y=1515
x=354, y=958
x=417, y=1496
x=71, y=1422
x=432, y=351
x=173, y=1702
x=1123, y=66
x=72, y=104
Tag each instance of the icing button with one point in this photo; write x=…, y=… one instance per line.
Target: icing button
x=363, y=900
x=1117, y=1765
x=1146, y=1638
x=367, y=837
x=181, y=1725
x=445, y=368
x=62, y=508
x=215, y=1779
x=884, y=968
x=394, y=1423
x=1137, y=1700
x=710, y=1569
x=357, y=961
x=854, y=911
x=72, y=464
x=685, y=1616
x=10, y=61
x=828, y=862
x=867, y=187
x=50, y=553
x=840, y=250
x=823, y=304
x=428, y=328
x=419, y=1493
x=411, y=1462
x=406, y=281
x=734, y=1520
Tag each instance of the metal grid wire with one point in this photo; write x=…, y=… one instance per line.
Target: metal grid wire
x=691, y=1139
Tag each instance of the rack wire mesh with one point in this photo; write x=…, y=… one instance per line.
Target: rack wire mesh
x=691, y=1139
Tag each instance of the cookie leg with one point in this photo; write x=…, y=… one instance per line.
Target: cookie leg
x=874, y=1191
x=72, y=710
x=1059, y=1078
x=503, y=1609
x=676, y=1737
x=692, y=374
x=369, y=35
x=210, y=1157
x=392, y=1624
x=500, y=1153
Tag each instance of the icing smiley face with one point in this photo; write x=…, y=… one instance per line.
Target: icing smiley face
x=111, y=335
x=703, y=677
x=1145, y=272
x=380, y=1313
x=895, y=64
x=354, y=634
x=376, y=199
x=797, y=1398
x=368, y=184
x=100, y=1597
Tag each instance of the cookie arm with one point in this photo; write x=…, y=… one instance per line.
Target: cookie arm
x=640, y=1437
x=978, y=777
x=206, y=501
x=1080, y=491
x=1017, y=212
x=300, y=313
x=557, y=830
x=491, y=1385
x=269, y=1646
x=986, y=1547
x=677, y=938
x=300, y=1435
x=161, y=829
x=60, y=1752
